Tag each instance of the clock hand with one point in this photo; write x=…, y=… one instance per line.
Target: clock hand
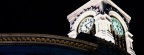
x=87, y=26
x=88, y=23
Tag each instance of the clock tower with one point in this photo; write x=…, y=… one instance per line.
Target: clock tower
x=105, y=20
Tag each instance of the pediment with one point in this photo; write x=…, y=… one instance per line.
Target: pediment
x=100, y=7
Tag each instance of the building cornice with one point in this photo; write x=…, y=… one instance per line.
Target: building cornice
x=47, y=39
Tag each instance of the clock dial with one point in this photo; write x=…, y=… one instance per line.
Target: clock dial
x=86, y=25
x=116, y=26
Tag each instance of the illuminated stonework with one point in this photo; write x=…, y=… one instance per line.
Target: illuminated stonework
x=102, y=12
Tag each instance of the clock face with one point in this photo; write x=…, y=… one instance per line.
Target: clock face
x=86, y=24
x=116, y=26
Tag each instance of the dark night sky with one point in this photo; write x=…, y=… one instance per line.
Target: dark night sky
x=50, y=17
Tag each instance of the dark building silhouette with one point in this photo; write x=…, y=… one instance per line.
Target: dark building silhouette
x=99, y=27
x=45, y=44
